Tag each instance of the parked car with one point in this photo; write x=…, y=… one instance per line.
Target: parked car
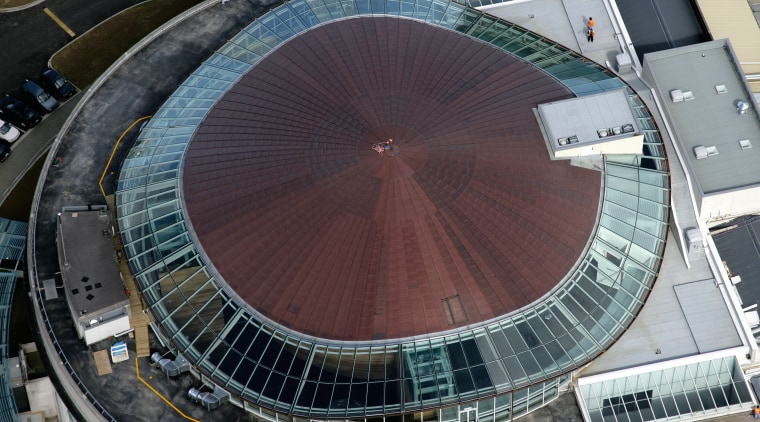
x=37, y=96
x=5, y=151
x=8, y=132
x=57, y=84
x=18, y=113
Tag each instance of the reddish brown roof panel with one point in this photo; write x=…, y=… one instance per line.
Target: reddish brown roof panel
x=464, y=219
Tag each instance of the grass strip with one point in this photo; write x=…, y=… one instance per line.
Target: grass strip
x=90, y=54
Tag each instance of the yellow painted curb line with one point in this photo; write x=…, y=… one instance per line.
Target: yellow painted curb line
x=113, y=152
x=59, y=22
x=137, y=370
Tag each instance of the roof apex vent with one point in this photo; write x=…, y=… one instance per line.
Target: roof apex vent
x=700, y=152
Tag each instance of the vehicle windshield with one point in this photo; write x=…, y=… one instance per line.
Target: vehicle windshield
x=60, y=82
x=5, y=128
x=43, y=97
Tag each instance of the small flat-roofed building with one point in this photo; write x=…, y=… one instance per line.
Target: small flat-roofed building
x=714, y=118
x=94, y=289
x=592, y=125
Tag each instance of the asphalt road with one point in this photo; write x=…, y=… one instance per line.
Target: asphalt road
x=29, y=37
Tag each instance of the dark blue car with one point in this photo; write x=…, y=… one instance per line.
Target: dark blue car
x=5, y=151
x=41, y=99
x=57, y=84
x=18, y=113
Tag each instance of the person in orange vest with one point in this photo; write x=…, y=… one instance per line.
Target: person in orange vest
x=590, y=22
x=757, y=412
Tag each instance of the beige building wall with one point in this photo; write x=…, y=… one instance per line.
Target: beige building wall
x=719, y=207
x=631, y=146
x=733, y=19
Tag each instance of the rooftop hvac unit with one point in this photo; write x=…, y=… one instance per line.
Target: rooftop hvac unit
x=627, y=128
x=209, y=400
x=700, y=152
x=742, y=106
x=694, y=243
x=603, y=133
x=567, y=140
x=617, y=130
x=624, y=62
x=676, y=95
x=170, y=367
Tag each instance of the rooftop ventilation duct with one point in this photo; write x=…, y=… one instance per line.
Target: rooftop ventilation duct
x=700, y=152
x=742, y=106
x=209, y=400
x=170, y=367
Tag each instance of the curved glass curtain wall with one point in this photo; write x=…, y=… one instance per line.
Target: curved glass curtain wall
x=297, y=375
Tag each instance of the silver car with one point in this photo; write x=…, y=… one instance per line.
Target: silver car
x=8, y=132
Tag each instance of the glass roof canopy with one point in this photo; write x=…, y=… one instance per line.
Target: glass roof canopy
x=292, y=373
x=686, y=388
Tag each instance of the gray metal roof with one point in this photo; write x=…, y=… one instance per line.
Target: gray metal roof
x=711, y=118
x=584, y=116
x=86, y=240
x=684, y=315
x=710, y=329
